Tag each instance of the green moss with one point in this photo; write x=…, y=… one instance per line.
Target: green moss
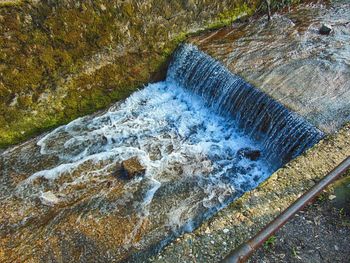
x=10, y=3
x=270, y=242
x=128, y=9
x=229, y=16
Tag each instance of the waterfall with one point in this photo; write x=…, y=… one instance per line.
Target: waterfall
x=196, y=158
x=282, y=133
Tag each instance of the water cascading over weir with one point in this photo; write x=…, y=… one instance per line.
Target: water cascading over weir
x=203, y=137
x=283, y=134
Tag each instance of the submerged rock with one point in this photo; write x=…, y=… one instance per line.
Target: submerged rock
x=249, y=153
x=131, y=168
x=325, y=29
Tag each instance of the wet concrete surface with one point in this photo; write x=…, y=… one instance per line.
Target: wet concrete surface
x=291, y=61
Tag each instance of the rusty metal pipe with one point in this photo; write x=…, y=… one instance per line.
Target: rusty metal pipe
x=242, y=253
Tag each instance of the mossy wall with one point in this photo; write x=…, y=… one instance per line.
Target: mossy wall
x=61, y=59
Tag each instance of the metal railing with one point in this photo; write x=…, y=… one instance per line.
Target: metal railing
x=242, y=253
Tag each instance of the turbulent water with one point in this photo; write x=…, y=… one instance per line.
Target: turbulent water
x=66, y=183
x=175, y=137
x=193, y=159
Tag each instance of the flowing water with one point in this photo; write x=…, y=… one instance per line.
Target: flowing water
x=284, y=134
x=171, y=132
x=190, y=132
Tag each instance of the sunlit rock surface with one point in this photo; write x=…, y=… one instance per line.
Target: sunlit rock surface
x=290, y=60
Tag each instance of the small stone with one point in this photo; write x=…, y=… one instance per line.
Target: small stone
x=212, y=242
x=49, y=199
x=336, y=247
x=225, y=231
x=325, y=29
x=131, y=168
x=331, y=197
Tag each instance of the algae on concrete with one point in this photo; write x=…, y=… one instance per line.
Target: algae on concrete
x=64, y=59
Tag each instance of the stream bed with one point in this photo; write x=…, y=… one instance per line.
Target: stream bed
x=194, y=133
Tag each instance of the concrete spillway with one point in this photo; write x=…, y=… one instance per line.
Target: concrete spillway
x=309, y=73
x=194, y=134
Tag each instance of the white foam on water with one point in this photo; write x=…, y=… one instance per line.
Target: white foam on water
x=174, y=136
